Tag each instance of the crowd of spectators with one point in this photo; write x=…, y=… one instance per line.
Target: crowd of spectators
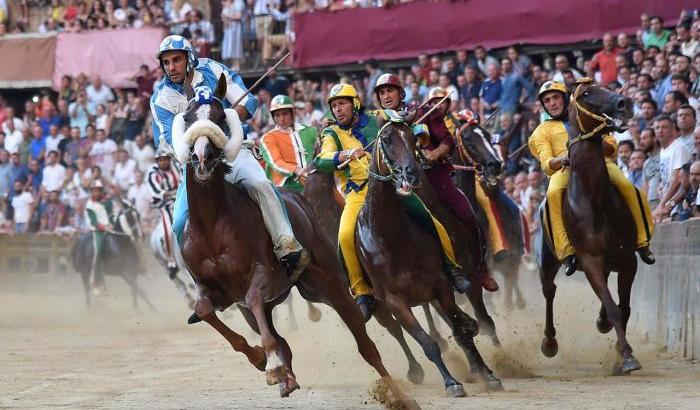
x=62, y=142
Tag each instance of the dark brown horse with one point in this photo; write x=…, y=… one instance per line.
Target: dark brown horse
x=231, y=257
x=597, y=220
x=474, y=156
x=403, y=260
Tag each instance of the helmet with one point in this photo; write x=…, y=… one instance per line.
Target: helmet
x=468, y=116
x=175, y=42
x=388, y=79
x=281, y=102
x=347, y=91
x=97, y=184
x=437, y=92
x=162, y=152
x=552, y=86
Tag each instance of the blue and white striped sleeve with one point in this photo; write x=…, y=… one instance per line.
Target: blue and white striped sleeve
x=235, y=87
x=162, y=122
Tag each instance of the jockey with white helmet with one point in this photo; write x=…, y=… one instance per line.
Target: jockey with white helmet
x=178, y=58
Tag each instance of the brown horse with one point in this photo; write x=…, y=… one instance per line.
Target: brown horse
x=476, y=156
x=231, y=257
x=597, y=220
x=403, y=260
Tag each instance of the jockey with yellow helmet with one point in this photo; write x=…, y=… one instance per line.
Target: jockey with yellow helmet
x=437, y=145
x=348, y=139
x=548, y=143
x=288, y=148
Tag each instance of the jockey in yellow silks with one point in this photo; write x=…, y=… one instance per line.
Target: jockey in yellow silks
x=548, y=143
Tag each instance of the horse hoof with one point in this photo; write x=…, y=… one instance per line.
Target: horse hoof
x=492, y=383
x=275, y=376
x=629, y=365
x=550, y=347
x=415, y=374
x=604, y=326
x=456, y=390
x=288, y=386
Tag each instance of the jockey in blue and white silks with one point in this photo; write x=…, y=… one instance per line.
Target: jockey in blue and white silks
x=177, y=58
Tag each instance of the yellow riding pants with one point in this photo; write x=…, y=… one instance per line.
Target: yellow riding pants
x=346, y=236
x=636, y=202
x=496, y=242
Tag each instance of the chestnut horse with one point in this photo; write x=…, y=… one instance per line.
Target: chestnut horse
x=403, y=260
x=597, y=219
x=230, y=253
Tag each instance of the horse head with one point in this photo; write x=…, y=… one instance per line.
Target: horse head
x=595, y=110
x=129, y=221
x=394, y=156
x=206, y=133
x=474, y=149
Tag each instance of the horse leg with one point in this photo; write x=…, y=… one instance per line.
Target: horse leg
x=515, y=273
x=476, y=298
x=603, y=324
x=86, y=285
x=289, y=383
x=625, y=279
x=548, y=272
x=430, y=347
x=415, y=371
x=181, y=286
x=432, y=329
x=205, y=311
x=293, y=325
x=274, y=370
x=464, y=328
x=137, y=292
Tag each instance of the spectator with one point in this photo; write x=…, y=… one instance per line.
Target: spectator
x=672, y=157
x=310, y=116
x=691, y=202
x=53, y=139
x=472, y=85
x=648, y=111
x=124, y=169
x=135, y=117
x=681, y=83
x=16, y=122
x=139, y=194
x=232, y=43
x=145, y=79
x=35, y=177
x=561, y=63
x=23, y=208
x=685, y=121
x=635, y=172
x=202, y=31
x=444, y=83
x=491, y=90
x=102, y=152
x=5, y=177
x=140, y=152
x=605, y=60
x=18, y=171
x=513, y=84
x=673, y=101
x=102, y=119
x=37, y=147
x=52, y=214
x=372, y=67
x=624, y=152
x=98, y=93
x=53, y=174
x=80, y=113
x=657, y=37
x=521, y=62
x=483, y=60
x=13, y=135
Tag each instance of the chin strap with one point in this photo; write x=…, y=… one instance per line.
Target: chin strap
x=604, y=120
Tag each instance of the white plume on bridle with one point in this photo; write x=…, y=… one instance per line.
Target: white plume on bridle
x=183, y=137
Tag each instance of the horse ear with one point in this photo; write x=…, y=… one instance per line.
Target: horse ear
x=380, y=121
x=220, y=92
x=189, y=91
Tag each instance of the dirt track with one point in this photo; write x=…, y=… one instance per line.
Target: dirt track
x=56, y=354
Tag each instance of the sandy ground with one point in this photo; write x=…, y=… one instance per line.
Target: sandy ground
x=55, y=353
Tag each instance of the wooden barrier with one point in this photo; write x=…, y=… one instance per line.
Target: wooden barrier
x=34, y=253
x=666, y=295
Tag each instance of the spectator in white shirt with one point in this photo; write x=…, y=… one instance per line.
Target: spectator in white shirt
x=102, y=120
x=124, y=170
x=140, y=195
x=98, y=93
x=23, y=206
x=102, y=152
x=54, y=174
x=17, y=122
x=53, y=139
x=673, y=156
x=13, y=135
x=140, y=152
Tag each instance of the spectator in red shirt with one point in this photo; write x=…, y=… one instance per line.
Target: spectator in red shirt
x=604, y=60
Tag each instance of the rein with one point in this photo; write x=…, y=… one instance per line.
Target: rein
x=382, y=158
x=604, y=121
x=464, y=155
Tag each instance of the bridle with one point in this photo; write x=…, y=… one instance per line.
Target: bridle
x=464, y=155
x=604, y=120
x=381, y=157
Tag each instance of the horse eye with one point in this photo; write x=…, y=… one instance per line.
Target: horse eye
x=585, y=93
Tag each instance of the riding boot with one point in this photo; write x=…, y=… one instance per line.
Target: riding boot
x=500, y=256
x=570, y=264
x=367, y=305
x=646, y=255
x=296, y=263
x=459, y=279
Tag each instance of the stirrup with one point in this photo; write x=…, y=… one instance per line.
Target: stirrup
x=646, y=255
x=570, y=263
x=366, y=303
x=296, y=263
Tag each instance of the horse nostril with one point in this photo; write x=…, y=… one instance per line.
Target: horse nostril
x=621, y=104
